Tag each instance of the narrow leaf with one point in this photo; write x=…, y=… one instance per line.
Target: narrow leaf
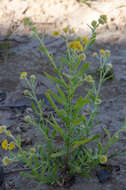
x=55, y=125
x=76, y=144
x=83, y=69
x=58, y=154
x=57, y=98
x=56, y=80
x=51, y=101
x=79, y=105
x=78, y=121
x=61, y=93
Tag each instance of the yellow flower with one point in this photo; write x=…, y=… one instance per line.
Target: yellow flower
x=2, y=128
x=23, y=75
x=103, y=159
x=72, y=30
x=89, y=79
x=66, y=29
x=11, y=145
x=4, y=144
x=102, y=51
x=85, y=40
x=55, y=33
x=75, y=45
x=8, y=133
x=82, y=56
x=6, y=161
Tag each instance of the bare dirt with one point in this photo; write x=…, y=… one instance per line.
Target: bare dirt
x=23, y=54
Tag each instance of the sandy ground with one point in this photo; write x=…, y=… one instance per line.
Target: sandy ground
x=24, y=55
x=52, y=14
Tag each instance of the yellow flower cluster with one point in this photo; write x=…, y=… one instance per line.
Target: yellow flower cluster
x=55, y=33
x=102, y=51
x=7, y=146
x=66, y=29
x=23, y=75
x=75, y=45
x=106, y=52
x=85, y=40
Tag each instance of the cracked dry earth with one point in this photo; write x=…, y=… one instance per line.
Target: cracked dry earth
x=23, y=55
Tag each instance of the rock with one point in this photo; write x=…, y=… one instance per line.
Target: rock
x=103, y=175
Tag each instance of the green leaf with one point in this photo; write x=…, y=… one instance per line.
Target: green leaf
x=78, y=62
x=19, y=140
x=107, y=133
x=55, y=125
x=78, y=121
x=79, y=105
x=63, y=60
x=51, y=101
x=58, y=154
x=76, y=144
x=83, y=69
x=68, y=76
x=56, y=80
x=57, y=98
x=61, y=93
x=100, y=148
x=62, y=114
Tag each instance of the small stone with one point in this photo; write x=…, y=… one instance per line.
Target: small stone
x=18, y=130
x=26, y=141
x=29, y=110
x=103, y=175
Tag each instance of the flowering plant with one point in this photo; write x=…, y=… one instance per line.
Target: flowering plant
x=75, y=153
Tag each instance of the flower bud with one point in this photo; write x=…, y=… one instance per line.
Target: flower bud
x=109, y=66
x=32, y=151
x=6, y=161
x=2, y=128
x=82, y=56
x=89, y=79
x=26, y=92
x=33, y=77
x=27, y=118
x=103, y=159
x=94, y=23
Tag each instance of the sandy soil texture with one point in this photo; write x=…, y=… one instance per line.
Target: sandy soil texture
x=23, y=54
